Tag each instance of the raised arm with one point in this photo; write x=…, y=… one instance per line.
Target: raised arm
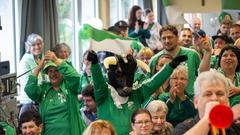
x=32, y=89
x=206, y=60
x=70, y=75
x=99, y=84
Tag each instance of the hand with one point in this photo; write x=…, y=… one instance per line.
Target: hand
x=209, y=106
x=173, y=93
x=92, y=56
x=180, y=91
x=234, y=91
x=177, y=60
x=216, y=51
x=137, y=27
x=205, y=45
x=41, y=64
x=49, y=55
x=145, y=25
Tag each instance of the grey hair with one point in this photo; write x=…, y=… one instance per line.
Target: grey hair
x=157, y=106
x=212, y=77
x=61, y=45
x=181, y=68
x=31, y=40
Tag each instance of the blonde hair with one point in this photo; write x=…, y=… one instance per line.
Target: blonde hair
x=157, y=106
x=237, y=43
x=99, y=125
x=182, y=68
x=145, y=51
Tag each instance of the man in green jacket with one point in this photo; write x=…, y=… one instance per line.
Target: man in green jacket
x=117, y=99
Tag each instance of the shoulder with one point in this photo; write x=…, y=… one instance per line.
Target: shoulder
x=26, y=57
x=183, y=127
x=188, y=50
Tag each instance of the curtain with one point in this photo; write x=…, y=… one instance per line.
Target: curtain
x=50, y=24
x=40, y=17
x=162, y=17
x=147, y=4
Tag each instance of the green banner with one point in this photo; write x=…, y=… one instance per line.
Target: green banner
x=231, y=4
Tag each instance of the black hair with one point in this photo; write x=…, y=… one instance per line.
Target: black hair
x=147, y=11
x=132, y=16
x=30, y=116
x=88, y=91
x=235, y=50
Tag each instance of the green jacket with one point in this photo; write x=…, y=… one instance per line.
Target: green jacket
x=193, y=63
x=119, y=117
x=236, y=98
x=68, y=91
x=7, y=128
x=178, y=111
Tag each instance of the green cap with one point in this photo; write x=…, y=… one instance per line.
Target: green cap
x=49, y=64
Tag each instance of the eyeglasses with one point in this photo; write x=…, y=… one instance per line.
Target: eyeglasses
x=141, y=123
x=181, y=78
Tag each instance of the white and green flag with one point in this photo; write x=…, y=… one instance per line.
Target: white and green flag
x=101, y=40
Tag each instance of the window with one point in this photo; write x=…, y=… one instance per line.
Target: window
x=119, y=9
x=71, y=14
x=7, y=37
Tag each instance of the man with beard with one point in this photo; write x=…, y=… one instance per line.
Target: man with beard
x=169, y=38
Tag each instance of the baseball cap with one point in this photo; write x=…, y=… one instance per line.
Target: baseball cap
x=200, y=33
x=49, y=64
x=121, y=24
x=220, y=35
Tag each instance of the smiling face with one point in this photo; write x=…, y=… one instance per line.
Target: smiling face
x=228, y=61
x=36, y=49
x=63, y=53
x=179, y=78
x=139, y=14
x=54, y=75
x=30, y=128
x=219, y=43
x=150, y=18
x=158, y=119
x=186, y=37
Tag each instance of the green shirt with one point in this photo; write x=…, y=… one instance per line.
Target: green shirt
x=193, y=63
x=178, y=111
x=120, y=117
x=59, y=109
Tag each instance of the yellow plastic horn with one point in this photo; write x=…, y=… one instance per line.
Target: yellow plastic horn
x=143, y=65
x=109, y=61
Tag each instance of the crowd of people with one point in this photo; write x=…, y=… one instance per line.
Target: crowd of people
x=169, y=87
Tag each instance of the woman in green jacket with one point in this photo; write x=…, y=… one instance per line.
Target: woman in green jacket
x=58, y=98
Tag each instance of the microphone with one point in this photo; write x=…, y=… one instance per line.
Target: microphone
x=221, y=117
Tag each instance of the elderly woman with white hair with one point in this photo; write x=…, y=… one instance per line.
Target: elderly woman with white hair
x=34, y=49
x=158, y=110
x=180, y=106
